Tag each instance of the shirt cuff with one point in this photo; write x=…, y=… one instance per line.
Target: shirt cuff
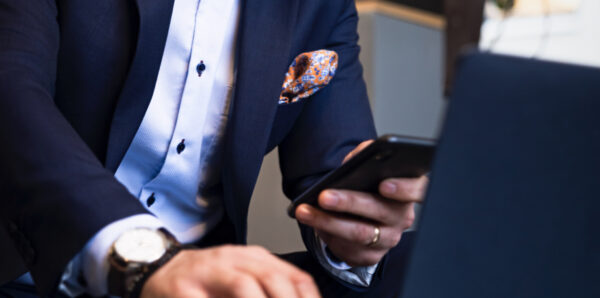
x=359, y=276
x=92, y=262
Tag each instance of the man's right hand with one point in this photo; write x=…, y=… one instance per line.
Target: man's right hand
x=229, y=271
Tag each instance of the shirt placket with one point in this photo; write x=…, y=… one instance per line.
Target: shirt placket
x=182, y=163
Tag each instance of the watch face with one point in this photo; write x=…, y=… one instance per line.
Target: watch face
x=141, y=245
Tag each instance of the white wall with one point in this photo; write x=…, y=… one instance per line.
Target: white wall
x=407, y=77
x=571, y=37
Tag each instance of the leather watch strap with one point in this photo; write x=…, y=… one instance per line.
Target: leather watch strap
x=138, y=284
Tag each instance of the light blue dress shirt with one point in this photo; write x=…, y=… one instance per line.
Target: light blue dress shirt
x=172, y=165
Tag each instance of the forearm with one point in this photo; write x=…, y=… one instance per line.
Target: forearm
x=56, y=193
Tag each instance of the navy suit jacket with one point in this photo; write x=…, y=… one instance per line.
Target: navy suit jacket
x=76, y=78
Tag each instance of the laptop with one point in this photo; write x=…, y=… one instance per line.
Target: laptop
x=513, y=207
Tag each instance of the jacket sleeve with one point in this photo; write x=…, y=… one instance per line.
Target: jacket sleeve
x=332, y=123
x=334, y=120
x=55, y=194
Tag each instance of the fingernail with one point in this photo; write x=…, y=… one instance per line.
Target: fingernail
x=304, y=214
x=389, y=187
x=331, y=198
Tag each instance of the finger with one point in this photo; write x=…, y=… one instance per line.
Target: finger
x=196, y=293
x=183, y=289
x=239, y=284
x=351, y=253
x=356, y=231
x=308, y=290
x=358, y=148
x=279, y=278
x=404, y=189
x=277, y=285
x=362, y=204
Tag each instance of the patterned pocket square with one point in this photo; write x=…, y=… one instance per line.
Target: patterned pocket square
x=308, y=73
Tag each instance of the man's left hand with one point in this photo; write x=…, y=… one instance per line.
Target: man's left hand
x=354, y=238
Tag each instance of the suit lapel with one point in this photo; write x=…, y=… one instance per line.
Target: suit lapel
x=263, y=57
x=154, y=20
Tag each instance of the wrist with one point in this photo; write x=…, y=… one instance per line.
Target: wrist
x=135, y=256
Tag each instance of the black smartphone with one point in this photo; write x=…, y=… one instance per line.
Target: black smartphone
x=387, y=157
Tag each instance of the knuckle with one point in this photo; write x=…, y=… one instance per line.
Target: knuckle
x=374, y=258
x=362, y=233
x=416, y=193
x=322, y=221
x=223, y=251
x=302, y=277
x=406, y=187
x=227, y=252
x=419, y=188
x=179, y=287
x=410, y=218
x=305, y=281
x=405, y=190
x=385, y=214
x=228, y=248
x=370, y=258
x=269, y=277
x=395, y=238
x=258, y=249
x=242, y=283
x=346, y=201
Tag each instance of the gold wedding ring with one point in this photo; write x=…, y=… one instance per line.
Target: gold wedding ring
x=376, y=235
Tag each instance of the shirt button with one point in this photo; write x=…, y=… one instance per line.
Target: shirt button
x=200, y=68
x=181, y=146
x=150, y=200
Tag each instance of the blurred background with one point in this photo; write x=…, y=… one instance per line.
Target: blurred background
x=408, y=53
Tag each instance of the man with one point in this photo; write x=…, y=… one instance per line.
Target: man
x=131, y=126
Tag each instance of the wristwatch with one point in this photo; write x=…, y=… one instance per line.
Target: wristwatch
x=135, y=255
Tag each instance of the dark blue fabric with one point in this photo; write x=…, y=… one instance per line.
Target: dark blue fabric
x=54, y=101
x=134, y=98
x=17, y=290
x=76, y=78
x=512, y=207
